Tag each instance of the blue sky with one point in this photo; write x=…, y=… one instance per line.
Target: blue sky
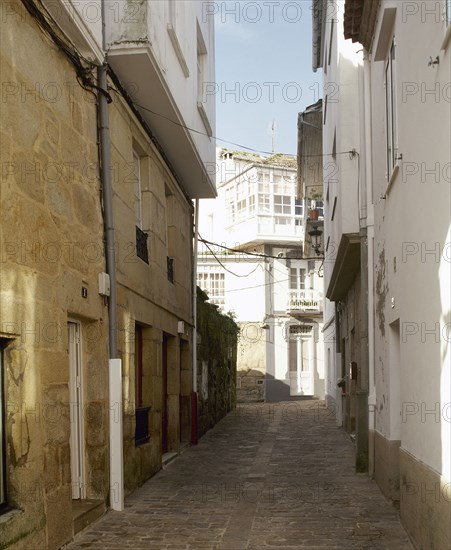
x=263, y=71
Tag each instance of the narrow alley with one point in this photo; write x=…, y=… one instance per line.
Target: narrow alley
x=275, y=475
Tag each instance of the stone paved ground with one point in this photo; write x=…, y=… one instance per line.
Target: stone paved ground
x=277, y=476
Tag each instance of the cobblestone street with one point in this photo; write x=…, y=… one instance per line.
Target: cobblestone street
x=267, y=476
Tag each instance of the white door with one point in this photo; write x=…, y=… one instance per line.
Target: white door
x=305, y=366
x=301, y=365
x=76, y=412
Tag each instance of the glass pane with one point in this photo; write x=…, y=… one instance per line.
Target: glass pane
x=299, y=207
x=263, y=187
x=293, y=278
x=302, y=278
x=263, y=204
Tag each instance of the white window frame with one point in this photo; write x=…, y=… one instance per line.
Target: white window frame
x=211, y=279
x=447, y=22
x=391, y=115
x=299, y=203
x=284, y=203
x=137, y=190
x=297, y=278
x=264, y=203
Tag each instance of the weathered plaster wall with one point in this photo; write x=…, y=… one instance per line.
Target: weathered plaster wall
x=412, y=366
x=251, y=362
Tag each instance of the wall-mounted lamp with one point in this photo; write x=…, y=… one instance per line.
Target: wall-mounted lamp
x=315, y=235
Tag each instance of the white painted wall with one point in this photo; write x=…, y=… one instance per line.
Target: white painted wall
x=413, y=218
x=148, y=21
x=82, y=23
x=341, y=173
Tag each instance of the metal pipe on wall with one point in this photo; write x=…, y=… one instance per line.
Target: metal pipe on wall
x=194, y=430
x=370, y=241
x=114, y=363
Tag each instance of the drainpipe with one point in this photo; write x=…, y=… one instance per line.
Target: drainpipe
x=194, y=423
x=370, y=238
x=107, y=193
x=114, y=363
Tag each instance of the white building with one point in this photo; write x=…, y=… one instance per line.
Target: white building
x=388, y=281
x=254, y=267
x=163, y=53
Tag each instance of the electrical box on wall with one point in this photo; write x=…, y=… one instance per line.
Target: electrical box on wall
x=104, y=284
x=181, y=327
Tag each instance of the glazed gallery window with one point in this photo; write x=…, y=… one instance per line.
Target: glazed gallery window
x=211, y=281
x=297, y=278
x=230, y=205
x=3, y=502
x=240, y=201
x=390, y=108
x=298, y=207
x=282, y=204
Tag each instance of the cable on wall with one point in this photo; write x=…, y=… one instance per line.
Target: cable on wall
x=227, y=269
x=83, y=67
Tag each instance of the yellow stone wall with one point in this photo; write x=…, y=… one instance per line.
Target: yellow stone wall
x=145, y=295
x=52, y=245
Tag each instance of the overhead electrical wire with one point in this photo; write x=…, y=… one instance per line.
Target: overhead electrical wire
x=47, y=23
x=240, y=145
x=227, y=269
x=84, y=78
x=256, y=286
x=256, y=254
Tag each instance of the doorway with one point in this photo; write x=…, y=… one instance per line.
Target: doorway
x=76, y=412
x=300, y=362
x=164, y=408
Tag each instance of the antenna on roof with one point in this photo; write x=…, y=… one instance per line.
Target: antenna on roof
x=273, y=135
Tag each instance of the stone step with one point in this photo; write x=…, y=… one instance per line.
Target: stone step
x=167, y=458
x=85, y=512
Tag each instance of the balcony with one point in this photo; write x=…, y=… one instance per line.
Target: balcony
x=141, y=245
x=160, y=73
x=267, y=229
x=304, y=301
x=170, y=269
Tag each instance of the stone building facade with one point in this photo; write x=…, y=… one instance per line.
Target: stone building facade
x=52, y=248
x=60, y=421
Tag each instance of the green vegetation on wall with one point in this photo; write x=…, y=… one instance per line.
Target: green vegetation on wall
x=216, y=363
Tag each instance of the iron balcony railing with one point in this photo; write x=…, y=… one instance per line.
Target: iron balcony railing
x=141, y=245
x=308, y=300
